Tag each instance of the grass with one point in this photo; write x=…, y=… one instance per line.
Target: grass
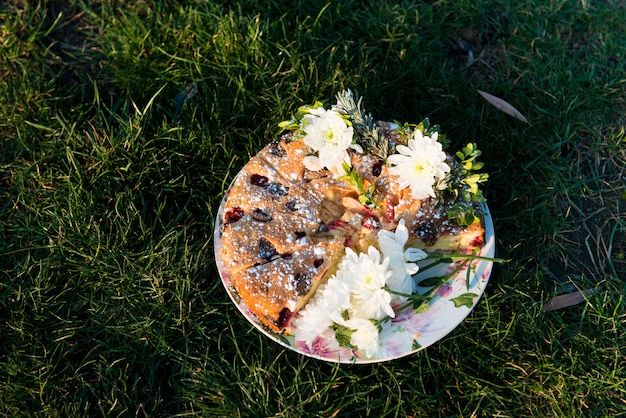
x=112, y=167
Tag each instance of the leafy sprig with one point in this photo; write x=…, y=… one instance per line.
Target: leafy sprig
x=462, y=186
x=462, y=214
x=406, y=130
x=467, y=161
x=296, y=122
x=367, y=197
x=420, y=301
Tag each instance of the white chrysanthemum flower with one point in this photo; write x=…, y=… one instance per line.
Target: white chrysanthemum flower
x=336, y=299
x=312, y=322
x=327, y=133
x=366, y=276
x=421, y=165
x=325, y=309
x=365, y=335
x=401, y=261
x=357, y=296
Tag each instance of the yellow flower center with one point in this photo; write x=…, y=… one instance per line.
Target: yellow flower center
x=420, y=166
x=329, y=137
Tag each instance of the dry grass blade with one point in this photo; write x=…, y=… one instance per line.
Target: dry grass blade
x=504, y=106
x=564, y=301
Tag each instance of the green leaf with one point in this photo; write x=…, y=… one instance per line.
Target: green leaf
x=462, y=214
x=289, y=125
x=433, y=281
x=466, y=299
x=343, y=335
x=423, y=307
x=345, y=315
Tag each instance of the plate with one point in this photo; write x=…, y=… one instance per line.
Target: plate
x=414, y=329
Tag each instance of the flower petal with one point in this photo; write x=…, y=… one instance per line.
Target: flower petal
x=414, y=254
x=312, y=163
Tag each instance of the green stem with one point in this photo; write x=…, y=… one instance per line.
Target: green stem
x=447, y=258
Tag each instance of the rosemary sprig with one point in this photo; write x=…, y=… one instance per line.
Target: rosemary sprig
x=367, y=132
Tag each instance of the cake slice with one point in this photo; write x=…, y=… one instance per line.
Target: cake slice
x=249, y=242
x=259, y=185
x=427, y=221
x=432, y=231
x=274, y=291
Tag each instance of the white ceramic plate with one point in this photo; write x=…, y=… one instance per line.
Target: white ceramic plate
x=452, y=303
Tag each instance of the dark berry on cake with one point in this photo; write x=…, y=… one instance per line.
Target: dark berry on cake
x=261, y=216
x=259, y=180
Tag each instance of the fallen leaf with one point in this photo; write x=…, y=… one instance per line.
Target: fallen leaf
x=570, y=299
x=504, y=106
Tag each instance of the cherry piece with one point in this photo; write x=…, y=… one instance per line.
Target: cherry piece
x=283, y=317
x=233, y=215
x=371, y=223
x=259, y=180
x=377, y=168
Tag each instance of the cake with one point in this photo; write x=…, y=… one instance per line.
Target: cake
x=332, y=181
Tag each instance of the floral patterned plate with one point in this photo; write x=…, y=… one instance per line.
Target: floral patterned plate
x=411, y=329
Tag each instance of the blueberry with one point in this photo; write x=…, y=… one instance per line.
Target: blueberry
x=293, y=205
x=277, y=149
x=266, y=250
x=261, y=216
x=277, y=189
